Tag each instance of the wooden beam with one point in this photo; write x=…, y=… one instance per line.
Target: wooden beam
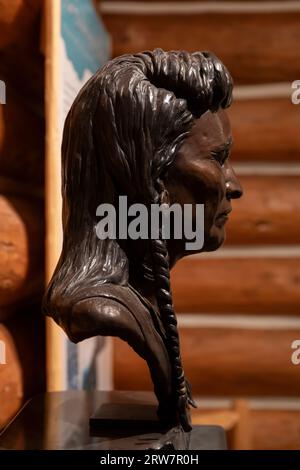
x=54, y=334
x=255, y=47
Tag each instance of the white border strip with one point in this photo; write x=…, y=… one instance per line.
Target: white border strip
x=186, y=8
x=263, y=91
x=255, y=403
x=245, y=322
x=250, y=251
x=267, y=168
x=283, y=403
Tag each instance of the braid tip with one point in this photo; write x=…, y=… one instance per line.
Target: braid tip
x=183, y=414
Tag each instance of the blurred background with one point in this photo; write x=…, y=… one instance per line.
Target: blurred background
x=238, y=308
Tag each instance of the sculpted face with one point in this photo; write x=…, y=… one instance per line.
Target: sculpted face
x=202, y=174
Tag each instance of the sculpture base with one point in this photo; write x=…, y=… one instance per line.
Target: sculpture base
x=134, y=415
x=60, y=420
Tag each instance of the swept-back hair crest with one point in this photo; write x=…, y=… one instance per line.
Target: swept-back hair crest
x=127, y=122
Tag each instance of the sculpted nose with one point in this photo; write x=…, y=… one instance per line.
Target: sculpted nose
x=234, y=188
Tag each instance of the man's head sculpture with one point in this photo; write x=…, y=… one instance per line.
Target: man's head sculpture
x=150, y=126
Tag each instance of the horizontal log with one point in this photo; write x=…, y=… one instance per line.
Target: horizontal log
x=265, y=130
x=223, y=362
x=17, y=19
x=268, y=212
x=21, y=142
x=23, y=375
x=21, y=56
x=255, y=47
x=14, y=187
x=11, y=381
x=21, y=251
x=237, y=285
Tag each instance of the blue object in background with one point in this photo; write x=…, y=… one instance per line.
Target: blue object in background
x=87, y=42
x=85, y=47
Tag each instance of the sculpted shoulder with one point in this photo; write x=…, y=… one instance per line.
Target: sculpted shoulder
x=106, y=310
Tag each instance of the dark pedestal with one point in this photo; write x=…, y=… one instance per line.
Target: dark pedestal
x=60, y=420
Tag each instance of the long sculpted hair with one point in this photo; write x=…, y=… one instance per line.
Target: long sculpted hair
x=122, y=133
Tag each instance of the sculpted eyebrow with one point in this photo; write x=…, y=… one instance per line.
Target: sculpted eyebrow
x=225, y=147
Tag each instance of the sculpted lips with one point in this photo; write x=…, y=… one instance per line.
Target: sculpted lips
x=222, y=218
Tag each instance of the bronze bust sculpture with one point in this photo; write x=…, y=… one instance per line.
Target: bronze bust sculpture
x=151, y=126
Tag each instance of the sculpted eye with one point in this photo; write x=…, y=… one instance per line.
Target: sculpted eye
x=220, y=156
x=221, y=153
